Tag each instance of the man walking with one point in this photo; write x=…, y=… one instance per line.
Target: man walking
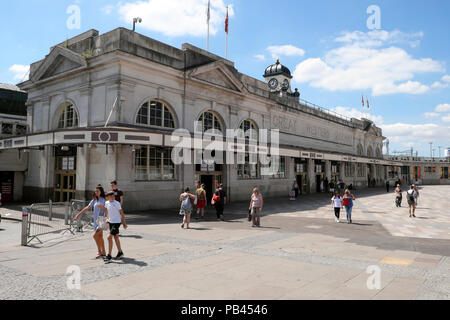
x=222, y=202
x=118, y=194
x=387, y=186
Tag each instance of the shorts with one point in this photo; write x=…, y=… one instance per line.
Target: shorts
x=411, y=203
x=114, y=228
x=201, y=204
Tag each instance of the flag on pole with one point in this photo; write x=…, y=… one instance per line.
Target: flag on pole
x=362, y=102
x=226, y=23
x=368, y=105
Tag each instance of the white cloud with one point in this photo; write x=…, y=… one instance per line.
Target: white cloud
x=446, y=78
x=355, y=113
x=445, y=107
x=108, y=9
x=438, y=84
x=446, y=118
x=420, y=133
x=20, y=72
x=377, y=38
x=285, y=50
x=259, y=57
x=359, y=66
x=177, y=17
x=431, y=115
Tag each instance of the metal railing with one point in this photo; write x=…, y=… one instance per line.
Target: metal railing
x=42, y=219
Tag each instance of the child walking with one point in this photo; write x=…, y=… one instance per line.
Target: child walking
x=115, y=217
x=336, y=203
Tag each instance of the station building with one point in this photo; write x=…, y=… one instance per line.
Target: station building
x=13, y=122
x=104, y=107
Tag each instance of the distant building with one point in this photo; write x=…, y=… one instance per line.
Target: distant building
x=13, y=122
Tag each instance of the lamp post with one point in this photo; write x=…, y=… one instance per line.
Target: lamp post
x=136, y=20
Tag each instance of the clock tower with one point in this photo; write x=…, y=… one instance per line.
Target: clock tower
x=278, y=78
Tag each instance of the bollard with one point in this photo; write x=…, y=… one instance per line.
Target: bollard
x=50, y=208
x=66, y=213
x=25, y=216
x=69, y=215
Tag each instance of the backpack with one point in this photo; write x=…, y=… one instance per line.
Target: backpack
x=411, y=196
x=186, y=204
x=216, y=199
x=346, y=202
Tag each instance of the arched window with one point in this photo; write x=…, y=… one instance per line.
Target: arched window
x=210, y=121
x=370, y=152
x=378, y=152
x=155, y=113
x=68, y=117
x=247, y=125
x=360, y=150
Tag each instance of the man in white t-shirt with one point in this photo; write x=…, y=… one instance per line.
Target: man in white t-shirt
x=115, y=217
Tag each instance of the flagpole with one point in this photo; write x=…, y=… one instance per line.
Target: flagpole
x=208, y=18
x=226, y=37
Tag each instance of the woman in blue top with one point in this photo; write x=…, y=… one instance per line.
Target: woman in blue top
x=97, y=201
x=347, y=202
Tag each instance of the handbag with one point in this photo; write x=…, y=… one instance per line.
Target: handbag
x=101, y=223
x=250, y=215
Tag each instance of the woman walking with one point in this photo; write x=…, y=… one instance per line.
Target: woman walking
x=216, y=203
x=347, y=202
x=398, y=196
x=97, y=202
x=256, y=205
x=336, y=203
x=411, y=195
x=187, y=203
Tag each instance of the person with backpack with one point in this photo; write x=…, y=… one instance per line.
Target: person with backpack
x=187, y=203
x=216, y=203
x=411, y=195
x=347, y=203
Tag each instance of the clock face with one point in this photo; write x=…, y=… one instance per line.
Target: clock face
x=273, y=83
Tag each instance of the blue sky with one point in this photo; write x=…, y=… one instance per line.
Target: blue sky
x=402, y=68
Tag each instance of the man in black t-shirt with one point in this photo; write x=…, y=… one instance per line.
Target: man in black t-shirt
x=222, y=202
x=118, y=194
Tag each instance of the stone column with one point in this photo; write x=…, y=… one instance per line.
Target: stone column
x=311, y=176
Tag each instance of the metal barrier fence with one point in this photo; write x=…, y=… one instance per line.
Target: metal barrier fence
x=42, y=219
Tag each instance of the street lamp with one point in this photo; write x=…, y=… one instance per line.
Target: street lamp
x=136, y=20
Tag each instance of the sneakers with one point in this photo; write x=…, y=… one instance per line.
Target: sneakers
x=336, y=219
x=119, y=256
x=108, y=259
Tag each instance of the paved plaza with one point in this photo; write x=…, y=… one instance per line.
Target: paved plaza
x=299, y=253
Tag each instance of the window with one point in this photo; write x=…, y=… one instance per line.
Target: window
x=370, y=152
x=360, y=170
x=209, y=121
x=248, y=171
x=349, y=169
x=281, y=174
x=301, y=166
x=155, y=113
x=21, y=130
x=68, y=118
x=7, y=128
x=335, y=168
x=444, y=172
x=378, y=152
x=247, y=125
x=360, y=150
x=154, y=164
